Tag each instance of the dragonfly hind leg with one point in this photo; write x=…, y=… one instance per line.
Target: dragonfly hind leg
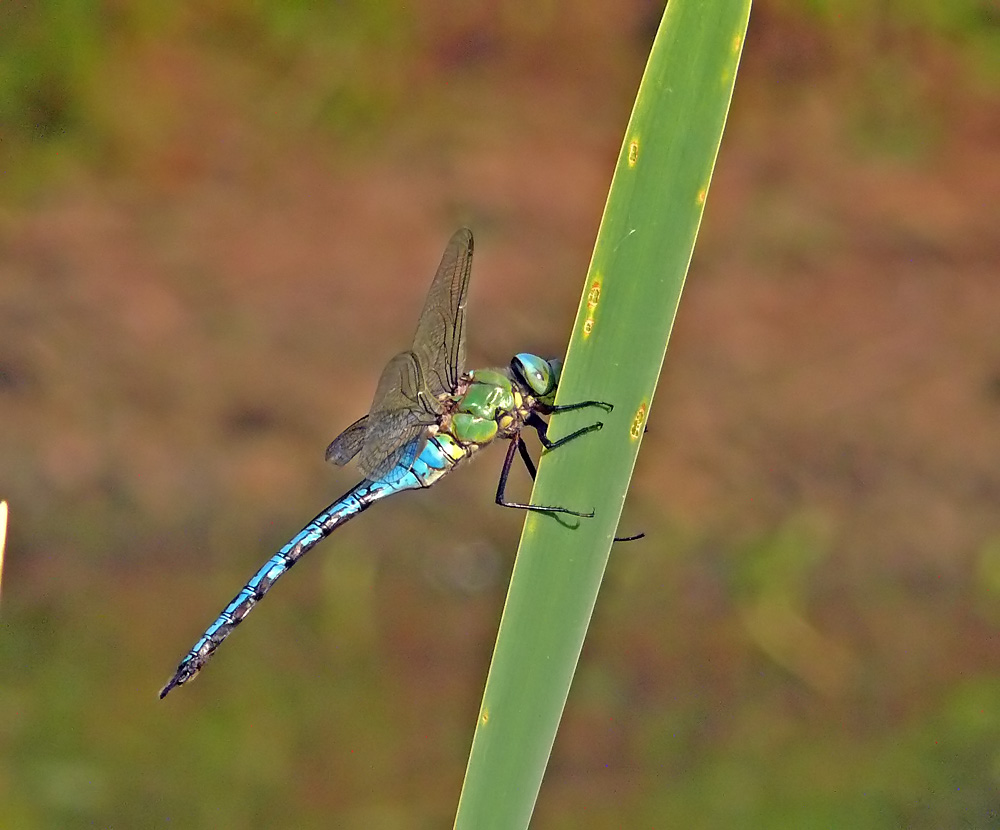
x=540, y=426
x=517, y=445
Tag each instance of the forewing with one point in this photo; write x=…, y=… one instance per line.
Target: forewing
x=439, y=344
x=348, y=444
x=407, y=399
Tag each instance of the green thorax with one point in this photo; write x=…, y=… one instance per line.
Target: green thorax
x=490, y=404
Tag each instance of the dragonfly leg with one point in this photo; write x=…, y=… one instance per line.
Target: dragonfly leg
x=526, y=457
x=569, y=407
x=517, y=445
x=536, y=423
x=540, y=427
x=530, y=466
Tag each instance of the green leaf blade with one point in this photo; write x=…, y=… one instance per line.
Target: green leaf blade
x=619, y=340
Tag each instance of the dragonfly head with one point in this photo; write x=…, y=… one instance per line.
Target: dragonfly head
x=539, y=375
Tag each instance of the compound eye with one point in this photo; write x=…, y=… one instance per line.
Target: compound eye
x=535, y=372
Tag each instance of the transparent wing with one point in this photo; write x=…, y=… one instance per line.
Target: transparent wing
x=348, y=444
x=439, y=344
x=398, y=464
x=400, y=410
x=407, y=399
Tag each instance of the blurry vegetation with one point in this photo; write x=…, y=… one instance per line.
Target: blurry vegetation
x=899, y=61
x=105, y=84
x=970, y=27
x=874, y=31
x=817, y=647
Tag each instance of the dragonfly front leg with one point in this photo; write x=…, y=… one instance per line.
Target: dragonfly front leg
x=569, y=407
x=517, y=445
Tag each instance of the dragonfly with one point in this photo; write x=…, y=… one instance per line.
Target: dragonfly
x=429, y=416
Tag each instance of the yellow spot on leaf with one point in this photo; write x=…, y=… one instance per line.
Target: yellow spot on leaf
x=484, y=718
x=701, y=196
x=633, y=152
x=638, y=422
x=594, y=295
x=593, y=300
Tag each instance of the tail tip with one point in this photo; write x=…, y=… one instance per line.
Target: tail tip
x=166, y=689
x=183, y=674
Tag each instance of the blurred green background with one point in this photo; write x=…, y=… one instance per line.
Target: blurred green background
x=218, y=221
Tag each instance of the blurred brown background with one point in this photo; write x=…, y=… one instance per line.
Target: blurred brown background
x=217, y=222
